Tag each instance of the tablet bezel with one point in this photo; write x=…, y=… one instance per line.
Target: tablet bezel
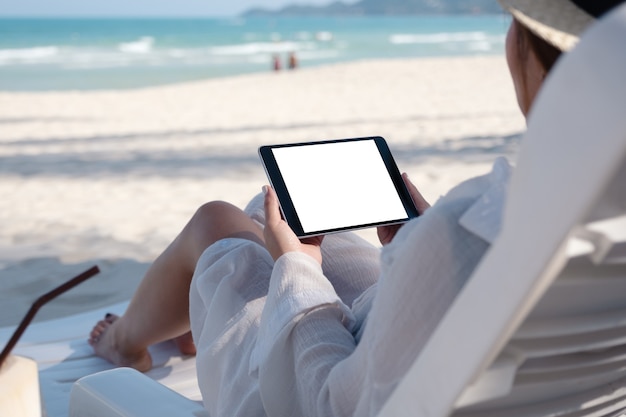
x=286, y=204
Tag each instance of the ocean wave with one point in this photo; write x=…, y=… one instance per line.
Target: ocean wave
x=142, y=53
x=146, y=52
x=255, y=48
x=25, y=55
x=434, y=38
x=65, y=57
x=142, y=45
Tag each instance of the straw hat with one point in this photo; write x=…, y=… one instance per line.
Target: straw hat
x=559, y=22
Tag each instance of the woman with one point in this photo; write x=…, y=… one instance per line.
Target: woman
x=285, y=327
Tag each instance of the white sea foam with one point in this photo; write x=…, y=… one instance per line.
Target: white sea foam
x=253, y=48
x=27, y=55
x=142, y=45
x=142, y=53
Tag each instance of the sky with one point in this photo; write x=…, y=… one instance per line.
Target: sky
x=145, y=8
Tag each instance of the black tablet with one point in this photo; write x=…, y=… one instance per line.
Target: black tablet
x=337, y=185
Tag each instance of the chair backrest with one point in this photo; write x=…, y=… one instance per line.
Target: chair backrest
x=540, y=327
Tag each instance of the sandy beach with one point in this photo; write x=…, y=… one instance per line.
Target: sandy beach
x=110, y=177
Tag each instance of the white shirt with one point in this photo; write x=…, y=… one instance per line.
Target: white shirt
x=311, y=354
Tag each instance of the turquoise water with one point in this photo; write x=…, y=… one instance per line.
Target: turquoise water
x=62, y=54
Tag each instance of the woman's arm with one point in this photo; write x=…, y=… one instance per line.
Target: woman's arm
x=279, y=238
x=294, y=361
x=310, y=362
x=305, y=332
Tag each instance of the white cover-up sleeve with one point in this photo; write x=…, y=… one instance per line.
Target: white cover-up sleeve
x=309, y=362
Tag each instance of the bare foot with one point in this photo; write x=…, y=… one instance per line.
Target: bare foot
x=106, y=344
x=185, y=344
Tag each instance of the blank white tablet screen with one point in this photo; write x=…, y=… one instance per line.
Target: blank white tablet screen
x=339, y=184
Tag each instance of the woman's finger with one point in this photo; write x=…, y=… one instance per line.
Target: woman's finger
x=272, y=211
x=420, y=202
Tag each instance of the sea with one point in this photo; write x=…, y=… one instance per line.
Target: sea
x=38, y=54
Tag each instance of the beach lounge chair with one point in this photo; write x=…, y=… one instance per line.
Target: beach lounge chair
x=539, y=329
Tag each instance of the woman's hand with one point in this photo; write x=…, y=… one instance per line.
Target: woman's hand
x=279, y=238
x=387, y=233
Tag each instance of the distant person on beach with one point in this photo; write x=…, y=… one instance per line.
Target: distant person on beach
x=276, y=62
x=292, y=60
x=326, y=326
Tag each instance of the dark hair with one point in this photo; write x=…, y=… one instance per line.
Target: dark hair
x=597, y=8
x=545, y=52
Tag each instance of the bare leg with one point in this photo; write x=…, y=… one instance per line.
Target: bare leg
x=159, y=309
